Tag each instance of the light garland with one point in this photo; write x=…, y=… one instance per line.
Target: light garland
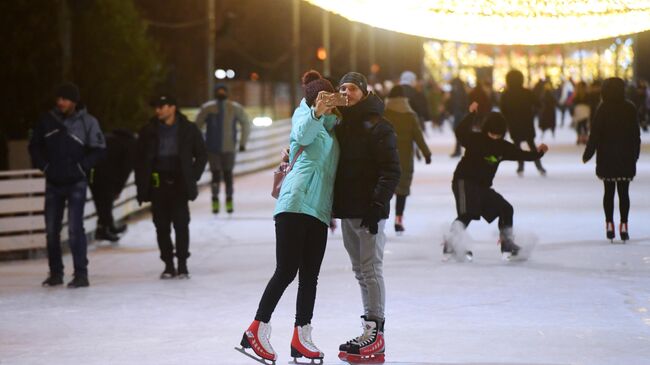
x=505, y=22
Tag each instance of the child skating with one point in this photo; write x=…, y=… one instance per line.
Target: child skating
x=472, y=182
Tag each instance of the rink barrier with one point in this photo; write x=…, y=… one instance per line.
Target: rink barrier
x=22, y=192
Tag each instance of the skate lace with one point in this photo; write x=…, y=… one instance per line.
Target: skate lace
x=306, y=339
x=368, y=337
x=265, y=337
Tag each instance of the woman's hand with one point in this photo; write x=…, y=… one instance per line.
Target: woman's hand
x=321, y=108
x=473, y=107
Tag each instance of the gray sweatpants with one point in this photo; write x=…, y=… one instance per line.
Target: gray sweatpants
x=366, y=253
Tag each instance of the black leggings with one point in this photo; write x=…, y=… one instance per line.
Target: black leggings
x=531, y=145
x=216, y=182
x=623, y=188
x=300, y=247
x=400, y=204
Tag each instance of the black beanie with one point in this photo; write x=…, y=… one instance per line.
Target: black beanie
x=68, y=91
x=357, y=79
x=495, y=123
x=313, y=83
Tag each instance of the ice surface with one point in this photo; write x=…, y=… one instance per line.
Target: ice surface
x=577, y=300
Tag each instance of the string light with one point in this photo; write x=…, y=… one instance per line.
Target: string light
x=502, y=22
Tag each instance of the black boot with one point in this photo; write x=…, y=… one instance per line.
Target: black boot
x=229, y=205
x=79, y=281
x=118, y=229
x=183, y=273
x=104, y=234
x=170, y=271
x=53, y=280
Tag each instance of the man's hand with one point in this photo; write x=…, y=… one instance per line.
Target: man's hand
x=242, y=148
x=427, y=159
x=543, y=148
x=372, y=218
x=473, y=107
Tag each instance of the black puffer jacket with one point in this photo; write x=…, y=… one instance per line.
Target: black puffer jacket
x=191, y=153
x=368, y=170
x=615, y=134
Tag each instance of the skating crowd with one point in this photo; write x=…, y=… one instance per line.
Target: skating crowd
x=351, y=148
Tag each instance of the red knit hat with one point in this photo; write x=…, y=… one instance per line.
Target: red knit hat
x=313, y=83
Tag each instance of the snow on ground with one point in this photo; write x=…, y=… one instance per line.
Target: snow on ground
x=578, y=300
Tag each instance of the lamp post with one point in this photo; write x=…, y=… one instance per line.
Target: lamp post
x=326, y=43
x=211, y=39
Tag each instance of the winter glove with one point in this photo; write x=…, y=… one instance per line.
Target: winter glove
x=372, y=218
x=427, y=159
x=242, y=148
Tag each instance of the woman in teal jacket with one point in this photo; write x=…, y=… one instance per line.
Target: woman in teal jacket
x=302, y=216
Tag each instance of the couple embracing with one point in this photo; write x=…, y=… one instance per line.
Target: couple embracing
x=346, y=166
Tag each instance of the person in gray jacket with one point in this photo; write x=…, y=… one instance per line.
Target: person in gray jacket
x=220, y=118
x=66, y=144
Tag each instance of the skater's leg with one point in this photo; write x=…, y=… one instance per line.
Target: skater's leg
x=312, y=257
x=54, y=207
x=227, y=165
x=351, y=241
x=161, y=209
x=464, y=219
x=372, y=272
x=181, y=223
x=623, y=188
x=520, y=163
x=531, y=145
x=608, y=200
x=290, y=233
x=215, y=168
x=400, y=204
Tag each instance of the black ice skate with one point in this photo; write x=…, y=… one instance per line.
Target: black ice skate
x=609, y=226
x=625, y=236
x=509, y=250
x=370, y=347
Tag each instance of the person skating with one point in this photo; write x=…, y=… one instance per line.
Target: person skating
x=615, y=138
x=367, y=176
x=472, y=181
x=404, y=120
x=110, y=176
x=170, y=159
x=518, y=106
x=66, y=144
x=302, y=215
x=220, y=118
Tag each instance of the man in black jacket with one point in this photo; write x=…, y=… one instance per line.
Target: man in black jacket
x=66, y=144
x=171, y=157
x=472, y=183
x=109, y=178
x=367, y=175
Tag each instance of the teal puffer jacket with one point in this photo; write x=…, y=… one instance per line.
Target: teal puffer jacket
x=309, y=186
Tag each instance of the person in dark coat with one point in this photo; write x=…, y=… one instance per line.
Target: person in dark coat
x=457, y=106
x=66, y=144
x=108, y=180
x=518, y=106
x=366, y=178
x=472, y=182
x=615, y=138
x=170, y=159
x=547, y=114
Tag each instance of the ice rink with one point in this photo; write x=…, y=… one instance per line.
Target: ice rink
x=578, y=300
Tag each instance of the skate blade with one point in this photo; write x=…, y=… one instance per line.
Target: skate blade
x=359, y=360
x=255, y=357
x=301, y=362
x=508, y=257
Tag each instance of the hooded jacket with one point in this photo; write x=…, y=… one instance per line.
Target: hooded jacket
x=66, y=148
x=308, y=187
x=191, y=153
x=615, y=135
x=368, y=170
x=518, y=106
